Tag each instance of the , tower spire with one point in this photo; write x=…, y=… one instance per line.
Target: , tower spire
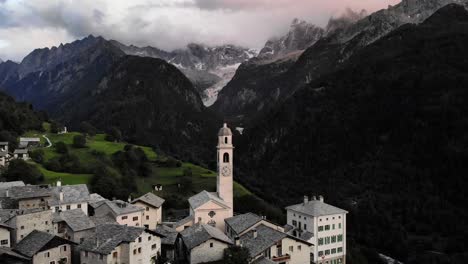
x=225, y=166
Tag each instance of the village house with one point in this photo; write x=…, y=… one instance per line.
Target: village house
x=94, y=201
x=3, y=158
x=25, y=142
x=212, y=208
x=267, y=241
x=29, y=196
x=4, y=154
x=25, y=221
x=124, y=213
x=321, y=224
x=4, y=146
x=21, y=154
x=240, y=224
x=152, y=215
x=5, y=235
x=168, y=242
x=73, y=225
x=69, y=197
x=120, y=244
x=58, y=198
x=45, y=248
x=201, y=243
x=4, y=187
x=272, y=244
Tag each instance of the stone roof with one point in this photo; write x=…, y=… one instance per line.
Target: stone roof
x=4, y=251
x=5, y=226
x=200, y=233
x=288, y=228
x=169, y=233
x=6, y=215
x=240, y=223
x=4, y=185
x=3, y=143
x=97, y=204
x=306, y=236
x=95, y=197
x=95, y=200
x=29, y=139
x=20, y=151
x=78, y=193
x=105, y=219
x=266, y=237
x=38, y=241
x=29, y=191
x=107, y=237
x=225, y=131
x=120, y=207
x=150, y=199
x=8, y=203
x=76, y=219
x=184, y=221
x=316, y=208
x=203, y=197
